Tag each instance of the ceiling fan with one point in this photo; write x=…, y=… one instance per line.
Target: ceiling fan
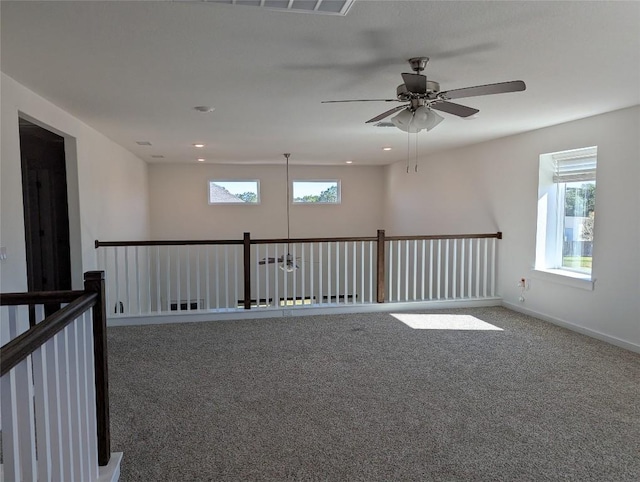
x=287, y=262
x=422, y=96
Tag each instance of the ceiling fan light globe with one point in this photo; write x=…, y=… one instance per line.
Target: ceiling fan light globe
x=405, y=122
x=425, y=118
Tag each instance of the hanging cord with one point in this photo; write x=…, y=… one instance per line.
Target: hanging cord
x=416, y=166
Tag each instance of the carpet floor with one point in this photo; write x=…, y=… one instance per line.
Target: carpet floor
x=365, y=397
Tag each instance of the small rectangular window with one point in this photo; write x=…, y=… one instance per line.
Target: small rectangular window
x=566, y=210
x=316, y=192
x=234, y=192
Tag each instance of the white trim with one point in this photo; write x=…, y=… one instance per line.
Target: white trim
x=111, y=471
x=565, y=277
x=258, y=313
x=573, y=327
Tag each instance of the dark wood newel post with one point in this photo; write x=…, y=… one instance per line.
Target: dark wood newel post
x=94, y=283
x=380, y=267
x=246, y=243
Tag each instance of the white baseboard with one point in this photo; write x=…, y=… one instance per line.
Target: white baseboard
x=573, y=327
x=111, y=471
x=255, y=313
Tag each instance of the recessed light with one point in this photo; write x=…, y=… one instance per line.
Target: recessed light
x=157, y=156
x=349, y=162
x=143, y=143
x=198, y=145
x=386, y=148
x=204, y=108
x=200, y=159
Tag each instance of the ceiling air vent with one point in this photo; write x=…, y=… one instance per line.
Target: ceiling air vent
x=325, y=7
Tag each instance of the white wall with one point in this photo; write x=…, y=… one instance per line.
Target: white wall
x=108, y=189
x=493, y=186
x=180, y=210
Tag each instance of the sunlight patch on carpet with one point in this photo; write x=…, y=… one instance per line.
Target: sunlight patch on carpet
x=444, y=322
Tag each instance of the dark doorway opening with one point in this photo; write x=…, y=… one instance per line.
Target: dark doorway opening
x=46, y=211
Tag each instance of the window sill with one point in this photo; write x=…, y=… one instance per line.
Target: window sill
x=567, y=278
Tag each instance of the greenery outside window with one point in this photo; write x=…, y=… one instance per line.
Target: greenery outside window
x=316, y=192
x=234, y=191
x=566, y=211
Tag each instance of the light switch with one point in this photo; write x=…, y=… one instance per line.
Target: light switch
x=3, y=253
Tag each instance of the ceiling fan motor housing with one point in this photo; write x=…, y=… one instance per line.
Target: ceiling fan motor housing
x=433, y=89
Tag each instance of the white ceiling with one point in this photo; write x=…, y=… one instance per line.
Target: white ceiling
x=135, y=70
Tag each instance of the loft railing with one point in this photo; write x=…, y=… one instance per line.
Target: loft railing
x=160, y=277
x=54, y=382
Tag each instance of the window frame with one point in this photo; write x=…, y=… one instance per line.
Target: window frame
x=233, y=203
x=551, y=219
x=322, y=203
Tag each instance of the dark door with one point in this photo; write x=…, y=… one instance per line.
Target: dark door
x=46, y=212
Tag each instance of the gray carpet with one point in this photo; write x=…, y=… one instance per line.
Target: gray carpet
x=365, y=397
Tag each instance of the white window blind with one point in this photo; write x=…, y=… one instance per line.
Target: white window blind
x=577, y=165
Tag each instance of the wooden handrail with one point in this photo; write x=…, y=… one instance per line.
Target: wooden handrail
x=39, y=297
x=497, y=235
x=183, y=242
x=342, y=239
x=314, y=240
x=22, y=346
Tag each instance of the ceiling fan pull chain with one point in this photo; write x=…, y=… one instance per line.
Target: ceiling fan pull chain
x=408, y=149
x=416, y=166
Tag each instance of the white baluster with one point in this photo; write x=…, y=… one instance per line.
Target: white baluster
x=199, y=305
x=74, y=399
x=337, y=272
x=65, y=407
x=354, y=273
x=168, y=250
x=328, y=272
x=399, y=277
x=311, y=271
x=217, y=272
x=257, y=271
x=477, y=268
x=303, y=276
x=431, y=269
x=53, y=372
x=485, y=271
x=446, y=269
x=454, y=269
x=493, y=266
x=137, y=268
x=267, y=270
x=470, y=276
x=423, y=263
x=415, y=267
x=178, y=279
x=207, y=275
x=158, y=278
x=41, y=403
x=390, y=280
x=10, y=427
x=462, y=248
x=117, y=290
x=188, y=260
x=371, y=271
x=127, y=286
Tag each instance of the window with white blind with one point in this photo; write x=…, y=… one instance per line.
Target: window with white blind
x=566, y=212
